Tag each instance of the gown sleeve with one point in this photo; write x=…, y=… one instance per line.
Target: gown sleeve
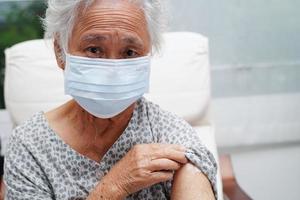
x=171, y=129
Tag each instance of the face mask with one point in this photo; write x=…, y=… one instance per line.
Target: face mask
x=106, y=87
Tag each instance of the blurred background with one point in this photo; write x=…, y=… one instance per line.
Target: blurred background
x=19, y=21
x=255, y=70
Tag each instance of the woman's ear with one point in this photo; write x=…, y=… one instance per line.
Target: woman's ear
x=59, y=54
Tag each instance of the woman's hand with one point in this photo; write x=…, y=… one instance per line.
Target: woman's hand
x=143, y=166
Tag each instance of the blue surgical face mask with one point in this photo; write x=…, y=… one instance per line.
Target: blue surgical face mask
x=106, y=87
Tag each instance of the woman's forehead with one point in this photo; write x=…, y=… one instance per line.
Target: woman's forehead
x=106, y=15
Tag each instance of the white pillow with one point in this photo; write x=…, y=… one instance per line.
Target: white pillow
x=180, y=79
x=33, y=81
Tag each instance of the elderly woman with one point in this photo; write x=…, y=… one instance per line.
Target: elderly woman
x=108, y=142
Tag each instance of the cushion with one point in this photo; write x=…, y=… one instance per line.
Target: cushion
x=180, y=79
x=33, y=81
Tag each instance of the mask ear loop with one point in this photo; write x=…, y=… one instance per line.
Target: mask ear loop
x=61, y=47
x=65, y=57
x=151, y=53
x=64, y=52
x=61, y=57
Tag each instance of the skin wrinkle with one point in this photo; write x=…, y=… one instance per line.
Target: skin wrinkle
x=89, y=38
x=110, y=10
x=107, y=18
x=108, y=24
x=136, y=15
x=94, y=39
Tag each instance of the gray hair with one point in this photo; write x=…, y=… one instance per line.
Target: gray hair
x=61, y=15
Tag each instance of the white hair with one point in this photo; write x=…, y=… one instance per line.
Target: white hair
x=61, y=15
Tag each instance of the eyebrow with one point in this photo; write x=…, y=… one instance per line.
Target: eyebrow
x=133, y=41
x=94, y=37
x=129, y=40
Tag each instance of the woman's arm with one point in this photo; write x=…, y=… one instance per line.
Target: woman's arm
x=105, y=190
x=191, y=184
x=143, y=166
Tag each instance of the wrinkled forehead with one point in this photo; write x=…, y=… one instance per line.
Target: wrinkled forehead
x=129, y=8
x=125, y=16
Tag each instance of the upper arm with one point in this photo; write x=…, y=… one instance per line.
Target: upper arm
x=23, y=177
x=174, y=130
x=191, y=184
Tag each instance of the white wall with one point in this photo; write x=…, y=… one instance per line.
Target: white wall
x=254, y=48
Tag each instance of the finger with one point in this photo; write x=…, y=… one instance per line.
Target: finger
x=163, y=164
x=160, y=176
x=170, y=154
x=169, y=146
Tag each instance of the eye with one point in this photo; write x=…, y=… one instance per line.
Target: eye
x=130, y=53
x=94, y=52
